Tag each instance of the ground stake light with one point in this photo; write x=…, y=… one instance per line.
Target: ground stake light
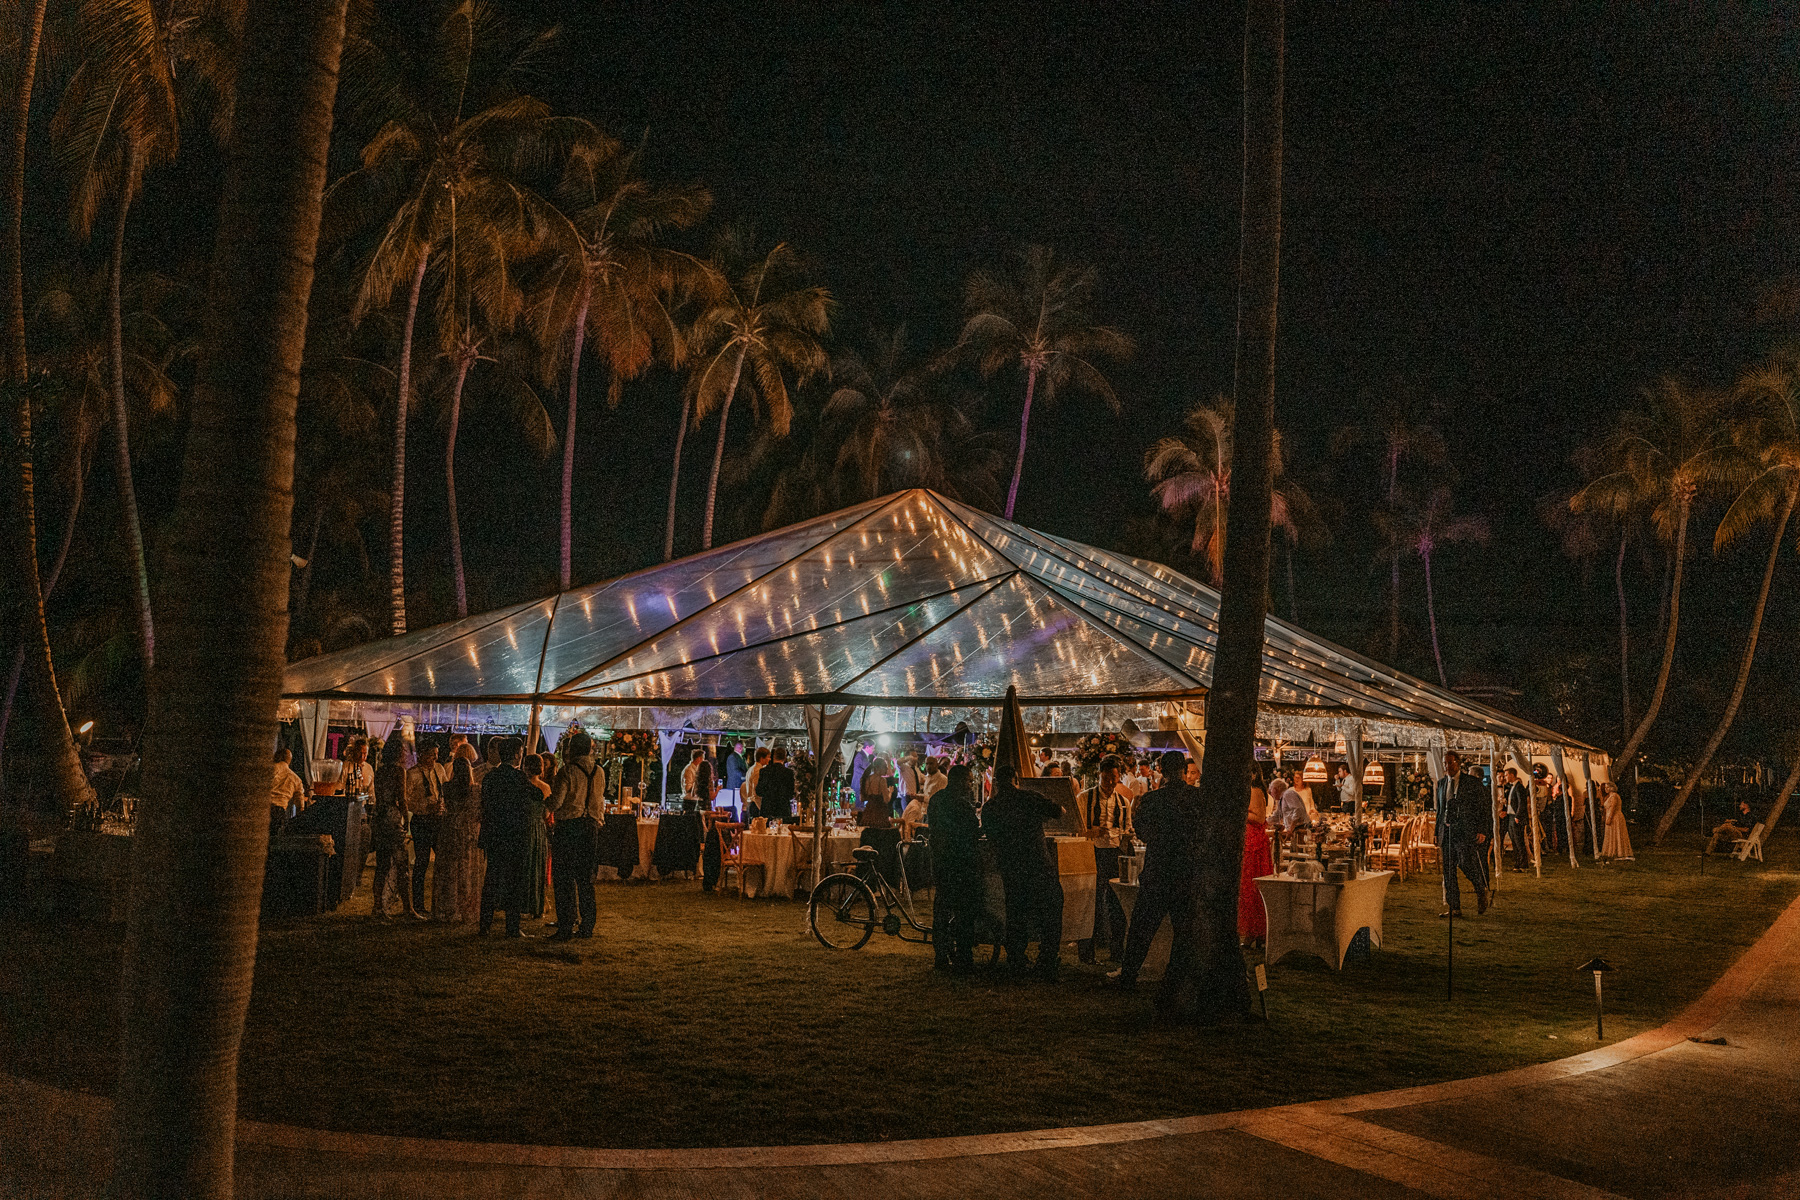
x=1599, y=967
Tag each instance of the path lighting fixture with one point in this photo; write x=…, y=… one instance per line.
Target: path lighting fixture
x=1599, y=967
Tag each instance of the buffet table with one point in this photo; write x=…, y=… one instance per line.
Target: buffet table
x=1075, y=870
x=1322, y=918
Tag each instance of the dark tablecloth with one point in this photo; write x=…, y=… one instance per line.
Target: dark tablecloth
x=619, y=843
x=677, y=843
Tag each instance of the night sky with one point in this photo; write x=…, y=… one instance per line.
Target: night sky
x=1523, y=213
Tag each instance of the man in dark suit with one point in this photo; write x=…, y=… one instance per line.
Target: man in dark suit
x=1465, y=817
x=1168, y=823
x=775, y=787
x=505, y=837
x=1518, y=812
x=1013, y=820
x=956, y=862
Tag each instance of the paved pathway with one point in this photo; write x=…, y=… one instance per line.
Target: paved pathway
x=1657, y=1115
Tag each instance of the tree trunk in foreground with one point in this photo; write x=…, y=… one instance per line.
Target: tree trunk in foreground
x=1012, y=492
x=197, y=857
x=1624, y=641
x=397, y=509
x=568, y=475
x=66, y=782
x=1743, y=678
x=712, y=482
x=675, y=480
x=1622, y=764
x=1775, y=810
x=134, y=532
x=463, y=362
x=1220, y=991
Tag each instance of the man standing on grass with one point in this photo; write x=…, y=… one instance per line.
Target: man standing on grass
x=775, y=787
x=1518, y=809
x=577, y=799
x=1168, y=823
x=505, y=837
x=1013, y=820
x=956, y=861
x=1464, y=814
x=425, y=810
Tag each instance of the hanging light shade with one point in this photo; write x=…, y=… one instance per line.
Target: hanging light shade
x=1341, y=746
x=1315, y=770
x=1373, y=776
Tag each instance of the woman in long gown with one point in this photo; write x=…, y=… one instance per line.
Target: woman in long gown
x=537, y=840
x=1618, y=837
x=456, y=846
x=1253, y=921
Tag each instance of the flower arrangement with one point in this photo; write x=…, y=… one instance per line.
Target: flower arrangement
x=1094, y=748
x=634, y=742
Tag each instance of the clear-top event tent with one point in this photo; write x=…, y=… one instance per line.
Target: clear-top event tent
x=917, y=610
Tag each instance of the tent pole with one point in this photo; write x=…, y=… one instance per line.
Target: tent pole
x=531, y=738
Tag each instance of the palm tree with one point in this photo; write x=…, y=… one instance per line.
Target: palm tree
x=117, y=119
x=1421, y=530
x=1219, y=988
x=1402, y=435
x=1041, y=318
x=66, y=781
x=614, y=283
x=1763, y=464
x=197, y=855
x=478, y=300
x=1584, y=535
x=1654, y=463
x=765, y=319
x=454, y=140
x=1192, y=474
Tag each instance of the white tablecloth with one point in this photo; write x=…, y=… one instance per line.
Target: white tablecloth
x=772, y=861
x=1157, y=961
x=1075, y=870
x=1321, y=918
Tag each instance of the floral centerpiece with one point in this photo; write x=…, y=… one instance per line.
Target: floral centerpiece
x=1091, y=750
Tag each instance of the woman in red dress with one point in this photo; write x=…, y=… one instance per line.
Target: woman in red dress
x=1253, y=923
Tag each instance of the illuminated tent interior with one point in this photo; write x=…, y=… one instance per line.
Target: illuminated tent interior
x=914, y=607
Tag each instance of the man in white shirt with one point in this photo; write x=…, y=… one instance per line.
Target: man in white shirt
x=935, y=777
x=752, y=806
x=286, y=792
x=425, y=804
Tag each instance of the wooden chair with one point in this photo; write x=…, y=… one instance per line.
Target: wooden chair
x=1742, y=848
x=1425, y=845
x=1397, y=852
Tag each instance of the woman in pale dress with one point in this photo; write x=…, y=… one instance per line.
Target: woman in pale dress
x=1253, y=922
x=1618, y=837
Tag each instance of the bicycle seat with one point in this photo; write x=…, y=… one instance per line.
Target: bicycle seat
x=866, y=855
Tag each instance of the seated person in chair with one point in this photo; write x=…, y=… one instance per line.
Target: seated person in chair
x=1734, y=828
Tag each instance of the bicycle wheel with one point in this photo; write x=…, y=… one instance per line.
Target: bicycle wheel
x=842, y=913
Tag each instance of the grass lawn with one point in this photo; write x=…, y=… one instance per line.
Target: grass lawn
x=698, y=1020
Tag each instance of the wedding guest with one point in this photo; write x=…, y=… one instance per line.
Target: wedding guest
x=877, y=810
x=956, y=861
x=357, y=777
x=752, y=807
x=1013, y=820
x=537, y=835
x=1253, y=921
x=1517, y=798
x=450, y=889
x=935, y=776
x=388, y=831
x=1618, y=836
x=425, y=810
x=1290, y=809
x=1168, y=823
x=511, y=806
x=736, y=768
x=1464, y=817
x=775, y=787
x=1733, y=828
x=575, y=800
x=286, y=792
x=701, y=790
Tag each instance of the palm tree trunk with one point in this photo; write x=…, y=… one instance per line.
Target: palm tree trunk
x=1623, y=763
x=1431, y=617
x=134, y=533
x=712, y=482
x=1780, y=805
x=14, y=248
x=1220, y=992
x=675, y=480
x=198, y=850
x=463, y=363
x=1743, y=676
x=1012, y=493
x=1394, y=610
x=397, y=509
x=1293, y=596
x=568, y=478
x=77, y=487
x=1624, y=641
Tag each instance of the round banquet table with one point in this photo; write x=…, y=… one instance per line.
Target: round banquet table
x=782, y=853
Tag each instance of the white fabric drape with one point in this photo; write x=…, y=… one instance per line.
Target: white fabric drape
x=1353, y=750
x=1591, y=794
x=825, y=730
x=1562, y=777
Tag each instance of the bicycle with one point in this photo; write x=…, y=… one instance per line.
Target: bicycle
x=842, y=911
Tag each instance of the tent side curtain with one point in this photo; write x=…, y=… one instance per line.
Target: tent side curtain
x=909, y=601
